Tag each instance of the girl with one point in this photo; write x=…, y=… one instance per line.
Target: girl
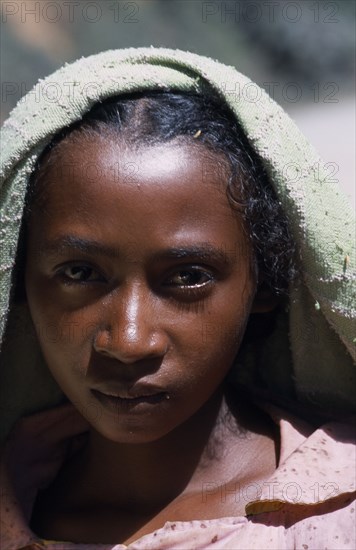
x=170, y=271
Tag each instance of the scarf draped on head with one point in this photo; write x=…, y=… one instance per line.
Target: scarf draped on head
x=308, y=358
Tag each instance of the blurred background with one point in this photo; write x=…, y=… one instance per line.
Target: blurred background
x=302, y=53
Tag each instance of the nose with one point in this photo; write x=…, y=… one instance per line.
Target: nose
x=131, y=331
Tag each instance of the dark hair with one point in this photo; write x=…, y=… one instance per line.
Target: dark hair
x=156, y=117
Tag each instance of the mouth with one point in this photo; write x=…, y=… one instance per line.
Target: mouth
x=117, y=403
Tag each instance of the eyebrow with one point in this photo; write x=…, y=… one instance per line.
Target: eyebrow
x=202, y=251
x=72, y=243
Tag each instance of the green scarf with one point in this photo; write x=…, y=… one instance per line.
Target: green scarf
x=306, y=363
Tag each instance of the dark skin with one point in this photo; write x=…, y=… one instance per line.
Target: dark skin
x=134, y=320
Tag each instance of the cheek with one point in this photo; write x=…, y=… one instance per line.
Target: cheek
x=64, y=338
x=212, y=341
x=223, y=328
x=223, y=333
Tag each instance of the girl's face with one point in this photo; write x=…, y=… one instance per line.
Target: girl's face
x=138, y=281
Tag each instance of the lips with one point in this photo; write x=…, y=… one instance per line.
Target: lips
x=124, y=405
x=137, y=391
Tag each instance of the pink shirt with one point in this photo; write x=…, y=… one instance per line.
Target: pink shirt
x=307, y=504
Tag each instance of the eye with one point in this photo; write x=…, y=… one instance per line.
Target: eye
x=192, y=277
x=80, y=274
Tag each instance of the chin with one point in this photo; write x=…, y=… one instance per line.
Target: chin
x=131, y=432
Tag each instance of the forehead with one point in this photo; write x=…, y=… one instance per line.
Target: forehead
x=173, y=187
x=94, y=154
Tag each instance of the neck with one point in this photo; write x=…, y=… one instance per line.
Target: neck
x=149, y=475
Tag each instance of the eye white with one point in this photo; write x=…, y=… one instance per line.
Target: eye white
x=78, y=273
x=188, y=275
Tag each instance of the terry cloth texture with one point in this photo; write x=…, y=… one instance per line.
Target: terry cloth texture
x=308, y=359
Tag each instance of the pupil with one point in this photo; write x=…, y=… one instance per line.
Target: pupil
x=188, y=277
x=81, y=271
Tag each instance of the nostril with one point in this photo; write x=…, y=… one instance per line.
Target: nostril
x=101, y=342
x=103, y=352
